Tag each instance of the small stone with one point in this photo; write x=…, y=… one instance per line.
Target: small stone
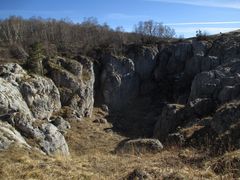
x=105, y=108
x=100, y=121
x=138, y=174
x=61, y=124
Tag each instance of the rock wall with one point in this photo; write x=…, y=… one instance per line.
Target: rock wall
x=124, y=77
x=179, y=84
x=26, y=103
x=206, y=74
x=75, y=81
x=119, y=81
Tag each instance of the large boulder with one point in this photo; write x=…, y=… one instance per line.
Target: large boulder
x=37, y=95
x=46, y=135
x=11, y=99
x=75, y=81
x=172, y=116
x=52, y=141
x=41, y=96
x=119, y=81
x=137, y=146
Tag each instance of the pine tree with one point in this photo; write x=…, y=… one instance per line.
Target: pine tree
x=34, y=62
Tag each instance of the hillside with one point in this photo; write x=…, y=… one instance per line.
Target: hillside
x=148, y=108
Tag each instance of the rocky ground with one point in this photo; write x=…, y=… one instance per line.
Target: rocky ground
x=159, y=111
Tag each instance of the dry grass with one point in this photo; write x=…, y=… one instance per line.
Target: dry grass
x=228, y=164
x=91, y=145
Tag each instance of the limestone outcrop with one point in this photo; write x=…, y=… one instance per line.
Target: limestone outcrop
x=119, y=81
x=75, y=81
x=26, y=104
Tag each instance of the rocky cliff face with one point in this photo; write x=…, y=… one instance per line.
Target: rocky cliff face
x=75, y=81
x=124, y=77
x=191, y=78
x=163, y=91
x=28, y=102
x=206, y=78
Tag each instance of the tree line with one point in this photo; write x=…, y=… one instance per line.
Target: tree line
x=84, y=36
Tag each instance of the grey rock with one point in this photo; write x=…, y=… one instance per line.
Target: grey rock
x=9, y=135
x=75, y=80
x=61, y=124
x=70, y=114
x=175, y=139
x=24, y=124
x=219, y=84
x=50, y=140
x=229, y=93
x=204, y=85
x=225, y=117
x=11, y=99
x=172, y=115
x=137, y=146
x=12, y=73
x=180, y=53
x=100, y=121
x=41, y=95
x=203, y=107
x=105, y=108
x=37, y=94
x=119, y=82
x=209, y=62
x=53, y=142
x=144, y=59
x=199, y=64
x=24, y=101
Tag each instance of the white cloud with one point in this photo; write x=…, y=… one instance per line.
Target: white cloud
x=125, y=16
x=235, y=4
x=203, y=23
x=191, y=31
x=33, y=12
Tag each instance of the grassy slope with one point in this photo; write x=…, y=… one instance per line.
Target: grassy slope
x=91, y=145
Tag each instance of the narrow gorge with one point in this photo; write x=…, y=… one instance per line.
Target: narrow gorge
x=180, y=93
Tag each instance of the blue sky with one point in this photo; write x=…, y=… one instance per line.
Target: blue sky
x=185, y=16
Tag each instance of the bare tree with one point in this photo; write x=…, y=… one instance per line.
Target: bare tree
x=155, y=29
